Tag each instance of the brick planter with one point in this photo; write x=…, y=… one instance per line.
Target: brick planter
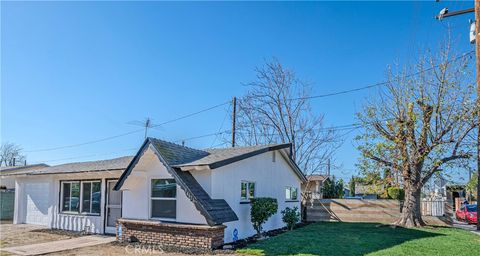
x=170, y=234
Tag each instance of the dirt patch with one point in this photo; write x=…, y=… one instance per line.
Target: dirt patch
x=24, y=234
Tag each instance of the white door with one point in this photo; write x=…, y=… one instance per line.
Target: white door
x=38, y=199
x=113, y=207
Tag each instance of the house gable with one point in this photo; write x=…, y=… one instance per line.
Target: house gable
x=215, y=211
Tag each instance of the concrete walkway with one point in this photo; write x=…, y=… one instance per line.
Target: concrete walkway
x=60, y=245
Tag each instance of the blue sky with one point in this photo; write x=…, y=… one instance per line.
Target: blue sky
x=75, y=72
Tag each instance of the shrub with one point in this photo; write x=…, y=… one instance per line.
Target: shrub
x=262, y=209
x=396, y=193
x=290, y=217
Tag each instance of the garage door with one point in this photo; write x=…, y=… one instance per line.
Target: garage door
x=38, y=195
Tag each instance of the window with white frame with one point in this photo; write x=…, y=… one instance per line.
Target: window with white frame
x=91, y=197
x=291, y=193
x=163, y=199
x=80, y=197
x=247, y=190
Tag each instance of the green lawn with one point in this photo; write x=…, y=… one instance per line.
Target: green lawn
x=340, y=238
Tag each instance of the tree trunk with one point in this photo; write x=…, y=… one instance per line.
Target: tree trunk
x=411, y=215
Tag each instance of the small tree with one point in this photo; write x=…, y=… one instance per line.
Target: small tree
x=351, y=186
x=262, y=208
x=290, y=216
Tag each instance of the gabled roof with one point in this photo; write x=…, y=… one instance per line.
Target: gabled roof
x=215, y=211
x=317, y=177
x=216, y=158
x=175, y=157
x=119, y=163
x=11, y=170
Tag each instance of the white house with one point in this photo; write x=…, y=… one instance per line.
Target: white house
x=166, y=193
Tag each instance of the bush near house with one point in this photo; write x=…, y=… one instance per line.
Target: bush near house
x=291, y=216
x=262, y=208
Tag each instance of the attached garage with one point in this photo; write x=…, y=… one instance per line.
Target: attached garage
x=37, y=195
x=75, y=196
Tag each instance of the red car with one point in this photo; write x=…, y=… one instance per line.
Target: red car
x=467, y=213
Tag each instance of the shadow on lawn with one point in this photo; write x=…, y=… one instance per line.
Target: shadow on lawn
x=336, y=238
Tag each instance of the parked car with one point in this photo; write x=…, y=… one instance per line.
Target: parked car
x=467, y=213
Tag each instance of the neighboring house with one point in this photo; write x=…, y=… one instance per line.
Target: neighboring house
x=166, y=193
x=313, y=187
x=7, y=181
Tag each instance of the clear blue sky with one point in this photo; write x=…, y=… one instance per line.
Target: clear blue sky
x=76, y=72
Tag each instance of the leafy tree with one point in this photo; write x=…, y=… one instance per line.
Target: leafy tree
x=419, y=124
x=332, y=188
x=472, y=185
x=262, y=208
x=396, y=193
x=291, y=216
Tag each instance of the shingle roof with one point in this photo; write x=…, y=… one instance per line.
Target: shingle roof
x=92, y=166
x=10, y=170
x=181, y=156
x=215, y=211
x=177, y=155
x=222, y=156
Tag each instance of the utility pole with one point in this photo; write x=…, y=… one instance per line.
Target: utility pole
x=234, y=120
x=445, y=14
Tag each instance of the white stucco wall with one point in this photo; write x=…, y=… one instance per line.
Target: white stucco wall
x=43, y=208
x=271, y=179
x=8, y=182
x=136, y=192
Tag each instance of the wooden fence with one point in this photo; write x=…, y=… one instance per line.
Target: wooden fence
x=361, y=210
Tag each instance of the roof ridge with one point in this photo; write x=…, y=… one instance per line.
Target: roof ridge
x=91, y=161
x=172, y=143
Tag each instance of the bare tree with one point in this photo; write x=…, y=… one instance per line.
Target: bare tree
x=421, y=124
x=11, y=154
x=276, y=109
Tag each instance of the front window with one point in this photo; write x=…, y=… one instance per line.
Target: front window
x=163, y=199
x=81, y=197
x=247, y=190
x=91, y=197
x=71, y=196
x=291, y=193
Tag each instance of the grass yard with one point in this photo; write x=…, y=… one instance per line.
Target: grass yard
x=340, y=238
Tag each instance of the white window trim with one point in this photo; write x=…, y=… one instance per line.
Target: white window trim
x=161, y=198
x=82, y=211
x=290, y=199
x=80, y=206
x=70, y=196
x=248, y=190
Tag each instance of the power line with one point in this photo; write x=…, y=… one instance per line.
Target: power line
x=125, y=134
x=381, y=83
x=85, y=143
x=192, y=114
